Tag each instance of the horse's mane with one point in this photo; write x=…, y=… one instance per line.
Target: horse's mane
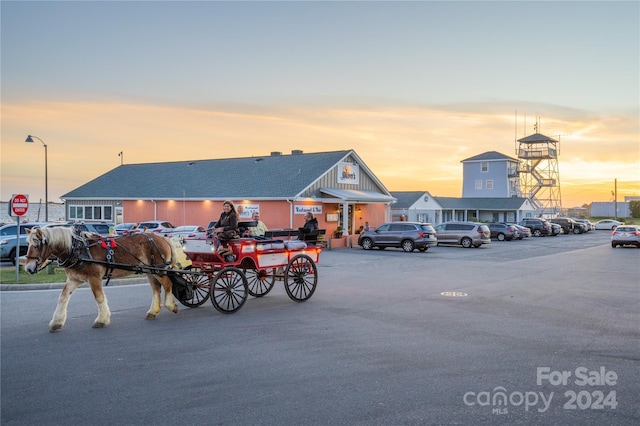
x=58, y=237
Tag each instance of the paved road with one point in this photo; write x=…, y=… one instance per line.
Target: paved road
x=550, y=323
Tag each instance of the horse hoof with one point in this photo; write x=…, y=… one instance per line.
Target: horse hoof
x=150, y=316
x=98, y=324
x=55, y=328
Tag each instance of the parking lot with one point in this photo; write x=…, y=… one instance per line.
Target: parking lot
x=538, y=331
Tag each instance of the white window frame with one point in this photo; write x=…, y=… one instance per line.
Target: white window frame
x=484, y=167
x=489, y=184
x=479, y=184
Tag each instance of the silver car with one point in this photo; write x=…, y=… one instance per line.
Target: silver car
x=405, y=235
x=467, y=234
x=625, y=235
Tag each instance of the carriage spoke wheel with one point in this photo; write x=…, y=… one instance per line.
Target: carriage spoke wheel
x=201, y=285
x=300, y=278
x=229, y=290
x=260, y=281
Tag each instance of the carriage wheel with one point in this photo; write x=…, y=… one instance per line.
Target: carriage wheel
x=229, y=290
x=260, y=281
x=300, y=278
x=201, y=285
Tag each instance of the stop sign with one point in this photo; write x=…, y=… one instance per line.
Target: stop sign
x=19, y=205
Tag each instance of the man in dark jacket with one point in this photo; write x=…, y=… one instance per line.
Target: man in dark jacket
x=310, y=225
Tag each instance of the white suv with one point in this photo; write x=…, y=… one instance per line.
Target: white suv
x=161, y=227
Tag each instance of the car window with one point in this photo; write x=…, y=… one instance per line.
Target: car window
x=453, y=227
x=427, y=228
x=383, y=228
x=101, y=229
x=408, y=228
x=483, y=228
x=9, y=230
x=468, y=227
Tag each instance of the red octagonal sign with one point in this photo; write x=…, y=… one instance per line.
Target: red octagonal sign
x=19, y=205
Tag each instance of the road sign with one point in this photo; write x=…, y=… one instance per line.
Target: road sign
x=19, y=205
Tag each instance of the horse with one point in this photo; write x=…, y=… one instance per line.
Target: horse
x=88, y=257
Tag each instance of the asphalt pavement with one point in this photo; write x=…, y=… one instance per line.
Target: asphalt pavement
x=540, y=331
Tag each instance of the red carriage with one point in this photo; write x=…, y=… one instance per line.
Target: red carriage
x=258, y=264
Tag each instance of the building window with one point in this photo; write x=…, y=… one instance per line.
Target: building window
x=489, y=184
x=484, y=167
x=91, y=213
x=478, y=184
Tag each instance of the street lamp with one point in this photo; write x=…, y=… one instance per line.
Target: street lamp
x=46, y=177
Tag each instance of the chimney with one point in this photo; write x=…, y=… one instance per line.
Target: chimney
x=296, y=151
x=275, y=153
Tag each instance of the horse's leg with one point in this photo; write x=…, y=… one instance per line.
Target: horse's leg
x=155, y=297
x=104, y=314
x=169, y=301
x=60, y=314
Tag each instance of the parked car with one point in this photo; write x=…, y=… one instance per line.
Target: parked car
x=161, y=227
x=569, y=225
x=555, y=229
x=625, y=235
x=608, y=224
x=405, y=235
x=503, y=231
x=523, y=231
x=100, y=228
x=8, y=240
x=587, y=224
x=126, y=228
x=538, y=227
x=188, y=232
x=467, y=234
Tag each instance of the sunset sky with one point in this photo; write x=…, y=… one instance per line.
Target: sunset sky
x=412, y=87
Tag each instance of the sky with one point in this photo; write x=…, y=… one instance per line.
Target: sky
x=412, y=87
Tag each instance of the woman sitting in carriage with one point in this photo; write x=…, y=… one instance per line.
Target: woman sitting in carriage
x=226, y=229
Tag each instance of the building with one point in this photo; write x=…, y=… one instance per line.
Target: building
x=337, y=187
x=423, y=207
x=490, y=175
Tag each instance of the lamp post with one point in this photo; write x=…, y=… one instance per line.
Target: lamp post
x=46, y=177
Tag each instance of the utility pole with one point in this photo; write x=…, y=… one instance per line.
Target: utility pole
x=615, y=199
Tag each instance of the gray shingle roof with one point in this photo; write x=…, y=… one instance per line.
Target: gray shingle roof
x=270, y=176
x=406, y=199
x=490, y=155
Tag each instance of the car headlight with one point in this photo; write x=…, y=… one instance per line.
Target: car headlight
x=4, y=242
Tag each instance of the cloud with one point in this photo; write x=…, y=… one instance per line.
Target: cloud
x=408, y=147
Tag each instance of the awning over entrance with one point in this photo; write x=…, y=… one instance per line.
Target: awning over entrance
x=357, y=196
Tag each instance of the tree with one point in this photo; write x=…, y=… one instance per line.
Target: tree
x=634, y=206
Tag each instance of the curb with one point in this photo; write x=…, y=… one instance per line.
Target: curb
x=56, y=286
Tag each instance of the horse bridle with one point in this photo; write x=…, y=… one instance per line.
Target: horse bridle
x=38, y=258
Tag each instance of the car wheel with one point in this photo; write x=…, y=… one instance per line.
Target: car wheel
x=613, y=245
x=577, y=231
x=367, y=244
x=537, y=233
x=466, y=242
x=501, y=237
x=423, y=249
x=12, y=257
x=408, y=246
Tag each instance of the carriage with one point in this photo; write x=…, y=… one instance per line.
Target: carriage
x=252, y=270
x=257, y=265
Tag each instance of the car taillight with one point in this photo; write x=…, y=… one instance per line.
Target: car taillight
x=421, y=234
x=157, y=230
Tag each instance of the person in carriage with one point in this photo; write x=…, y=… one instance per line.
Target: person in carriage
x=310, y=225
x=226, y=229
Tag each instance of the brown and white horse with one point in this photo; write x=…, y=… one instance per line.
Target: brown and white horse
x=73, y=250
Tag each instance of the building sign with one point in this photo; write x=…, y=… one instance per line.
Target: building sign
x=348, y=173
x=246, y=211
x=317, y=209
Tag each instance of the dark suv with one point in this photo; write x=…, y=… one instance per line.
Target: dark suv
x=405, y=235
x=539, y=227
x=569, y=225
x=503, y=231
